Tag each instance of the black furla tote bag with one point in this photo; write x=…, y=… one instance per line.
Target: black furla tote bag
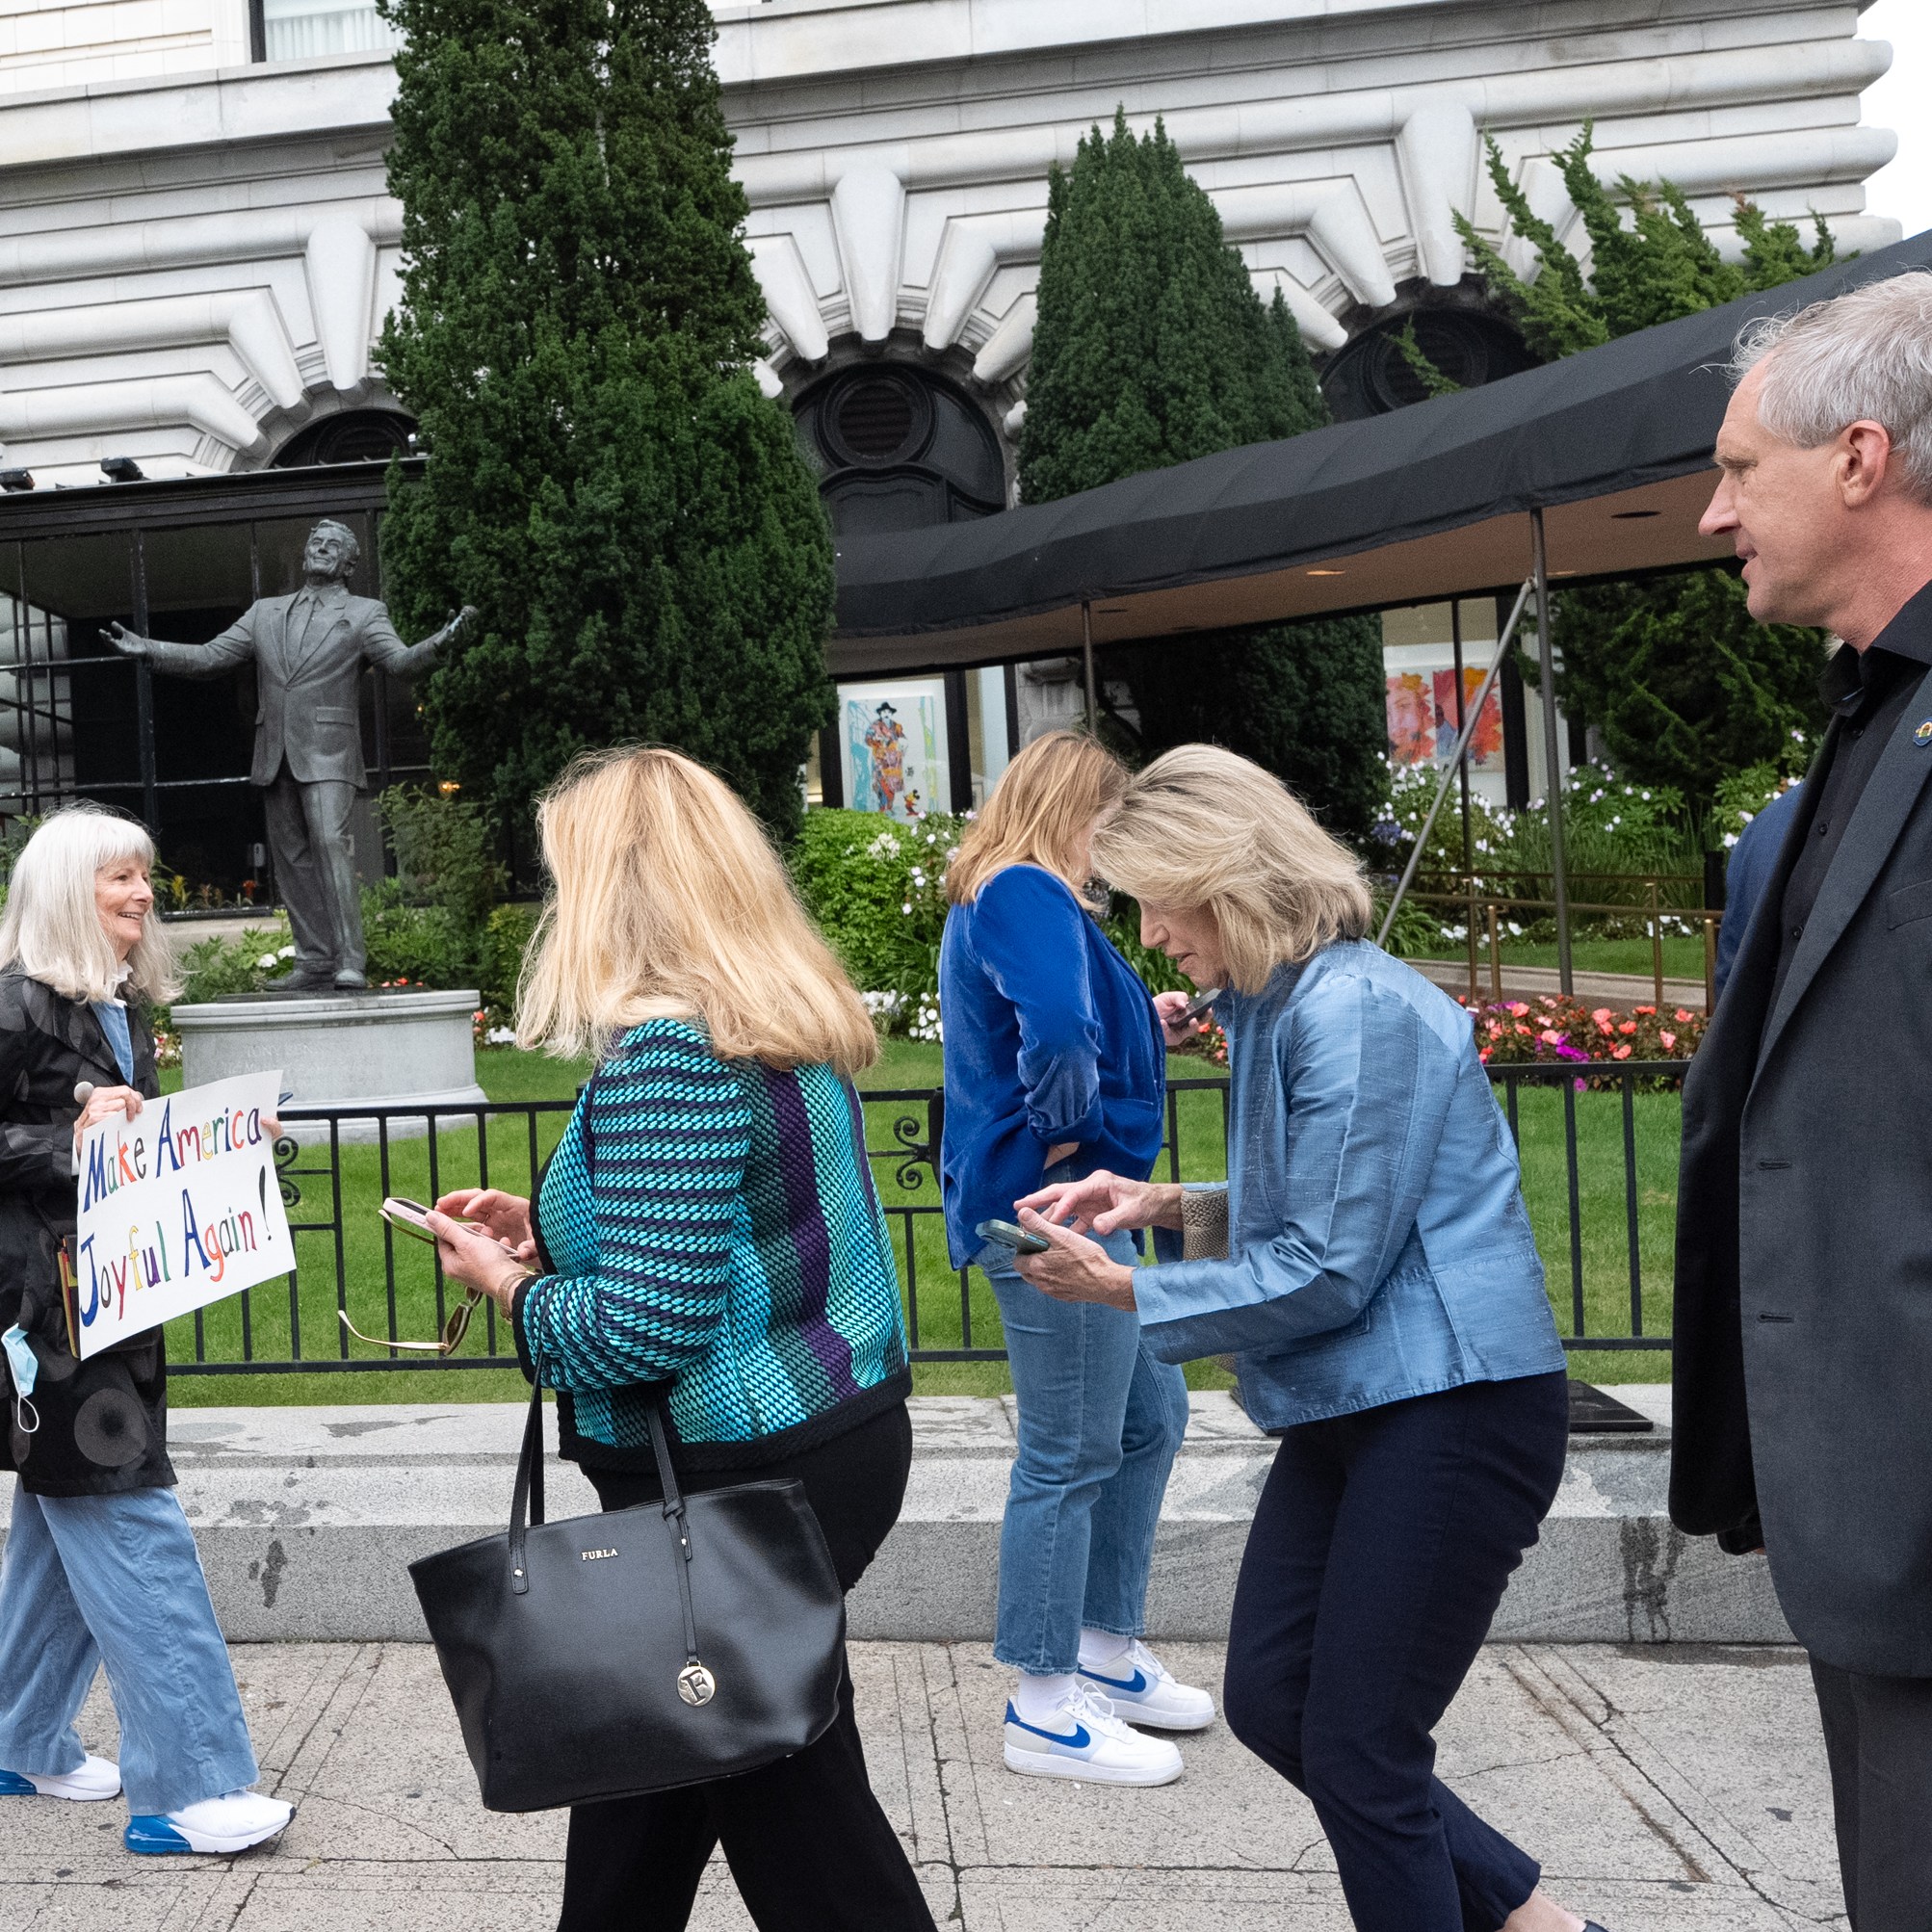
x=647, y=1648
x=661, y=1645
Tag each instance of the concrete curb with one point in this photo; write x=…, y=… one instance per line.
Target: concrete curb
x=306, y=1520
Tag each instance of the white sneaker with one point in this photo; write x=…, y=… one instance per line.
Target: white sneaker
x=1140, y=1687
x=1085, y=1741
x=96, y=1778
x=220, y=1825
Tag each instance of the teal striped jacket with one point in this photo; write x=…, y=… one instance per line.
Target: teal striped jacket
x=711, y=1225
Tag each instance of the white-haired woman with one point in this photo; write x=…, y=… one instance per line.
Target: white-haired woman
x=1371, y=1265
x=100, y=1567
x=708, y=1228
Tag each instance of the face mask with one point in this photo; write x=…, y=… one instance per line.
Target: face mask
x=20, y=1358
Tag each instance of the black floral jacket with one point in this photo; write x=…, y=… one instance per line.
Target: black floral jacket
x=103, y=1423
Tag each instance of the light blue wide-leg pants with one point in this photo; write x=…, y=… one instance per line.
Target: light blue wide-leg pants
x=116, y=1580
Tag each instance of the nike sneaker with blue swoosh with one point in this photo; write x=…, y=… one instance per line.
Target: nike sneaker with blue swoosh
x=222, y=1825
x=1084, y=1740
x=1140, y=1688
x=92, y=1779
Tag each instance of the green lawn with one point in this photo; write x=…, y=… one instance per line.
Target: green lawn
x=1682, y=955
x=944, y=1318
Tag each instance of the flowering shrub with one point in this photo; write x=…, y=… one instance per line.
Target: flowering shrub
x=487, y=1031
x=167, y=1048
x=1554, y=1030
x=1210, y=1044
x=877, y=891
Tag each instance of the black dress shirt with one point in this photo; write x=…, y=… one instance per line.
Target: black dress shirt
x=1869, y=692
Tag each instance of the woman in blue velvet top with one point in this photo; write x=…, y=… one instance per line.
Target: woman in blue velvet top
x=1370, y=1266
x=1056, y=1067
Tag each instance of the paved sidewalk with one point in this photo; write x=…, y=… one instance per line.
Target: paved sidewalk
x=1668, y=1789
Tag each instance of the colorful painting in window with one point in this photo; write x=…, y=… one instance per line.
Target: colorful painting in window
x=1412, y=719
x=1485, y=745
x=893, y=749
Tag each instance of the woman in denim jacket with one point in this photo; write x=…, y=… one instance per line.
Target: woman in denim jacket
x=1055, y=1066
x=1370, y=1266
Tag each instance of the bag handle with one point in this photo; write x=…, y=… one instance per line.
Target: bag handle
x=526, y=1503
x=526, y=1500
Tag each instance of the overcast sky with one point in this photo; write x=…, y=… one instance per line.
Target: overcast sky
x=1898, y=101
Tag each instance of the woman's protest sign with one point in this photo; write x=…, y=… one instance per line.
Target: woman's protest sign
x=178, y=1206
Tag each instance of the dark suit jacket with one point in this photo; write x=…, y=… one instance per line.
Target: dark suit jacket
x=1753, y=860
x=103, y=1422
x=308, y=710
x=1804, y=1247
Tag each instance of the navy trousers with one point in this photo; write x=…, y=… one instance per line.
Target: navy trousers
x=1379, y=1552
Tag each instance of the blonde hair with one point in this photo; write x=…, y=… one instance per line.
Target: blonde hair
x=669, y=901
x=1041, y=810
x=1203, y=827
x=52, y=929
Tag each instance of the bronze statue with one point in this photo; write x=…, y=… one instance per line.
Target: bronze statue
x=310, y=650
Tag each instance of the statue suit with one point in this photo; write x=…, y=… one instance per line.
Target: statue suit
x=309, y=649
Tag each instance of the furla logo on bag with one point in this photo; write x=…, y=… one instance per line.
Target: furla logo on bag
x=595, y=1556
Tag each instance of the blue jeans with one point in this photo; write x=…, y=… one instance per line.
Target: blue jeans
x=115, y=1580
x=1100, y=1421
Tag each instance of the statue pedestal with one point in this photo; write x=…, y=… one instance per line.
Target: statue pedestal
x=342, y=1050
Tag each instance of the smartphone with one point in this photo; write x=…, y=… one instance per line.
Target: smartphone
x=407, y=1218
x=1200, y=1004
x=1011, y=1235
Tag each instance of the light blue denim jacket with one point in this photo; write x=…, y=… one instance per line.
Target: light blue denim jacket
x=1378, y=1245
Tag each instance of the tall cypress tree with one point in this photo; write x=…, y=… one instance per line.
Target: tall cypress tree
x=1683, y=685
x=1152, y=347
x=605, y=481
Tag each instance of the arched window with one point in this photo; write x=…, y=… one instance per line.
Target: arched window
x=1369, y=376
x=350, y=436
x=895, y=447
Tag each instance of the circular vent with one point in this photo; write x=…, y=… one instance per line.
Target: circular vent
x=875, y=419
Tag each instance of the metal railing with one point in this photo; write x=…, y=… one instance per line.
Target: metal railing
x=1488, y=903
x=1597, y=1142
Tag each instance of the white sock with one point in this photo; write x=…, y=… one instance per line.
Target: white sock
x=1035, y=1699
x=1100, y=1648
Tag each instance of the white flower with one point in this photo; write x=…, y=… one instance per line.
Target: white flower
x=907, y=906
x=1515, y=930
x=287, y=952
x=1729, y=838
x=267, y=960
x=500, y=1037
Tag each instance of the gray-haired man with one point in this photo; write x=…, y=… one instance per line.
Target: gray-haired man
x=1803, y=1263
x=310, y=650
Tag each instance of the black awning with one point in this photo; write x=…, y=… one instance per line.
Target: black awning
x=1614, y=445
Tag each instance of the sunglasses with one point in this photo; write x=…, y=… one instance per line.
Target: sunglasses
x=456, y=1325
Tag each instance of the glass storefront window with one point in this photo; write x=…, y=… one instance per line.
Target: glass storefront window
x=201, y=579
x=74, y=715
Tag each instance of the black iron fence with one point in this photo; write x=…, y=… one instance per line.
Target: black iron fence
x=1597, y=1142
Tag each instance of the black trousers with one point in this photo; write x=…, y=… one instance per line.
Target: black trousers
x=1379, y=1552
x=810, y=1847
x=1878, y=1739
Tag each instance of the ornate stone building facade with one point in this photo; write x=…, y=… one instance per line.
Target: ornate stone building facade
x=196, y=248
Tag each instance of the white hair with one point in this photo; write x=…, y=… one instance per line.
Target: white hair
x=51, y=929
x=1862, y=356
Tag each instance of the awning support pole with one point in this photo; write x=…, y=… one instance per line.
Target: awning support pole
x=1087, y=659
x=1462, y=761
x=1552, y=752
x=1443, y=784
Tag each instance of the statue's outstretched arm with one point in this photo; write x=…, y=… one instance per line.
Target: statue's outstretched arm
x=234, y=646
x=382, y=646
